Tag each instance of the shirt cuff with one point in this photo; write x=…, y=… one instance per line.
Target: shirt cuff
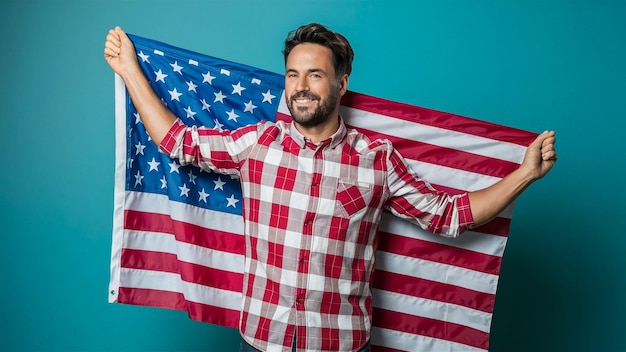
x=466, y=219
x=173, y=135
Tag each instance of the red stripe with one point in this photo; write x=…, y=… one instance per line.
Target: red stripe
x=437, y=118
x=440, y=253
x=430, y=327
x=185, y=232
x=174, y=300
x=189, y=272
x=433, y=290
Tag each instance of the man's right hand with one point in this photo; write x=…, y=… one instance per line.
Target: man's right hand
x=119, y=52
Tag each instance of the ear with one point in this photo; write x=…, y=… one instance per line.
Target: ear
x=343, y=85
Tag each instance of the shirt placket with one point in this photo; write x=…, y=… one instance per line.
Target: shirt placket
x=305, y=247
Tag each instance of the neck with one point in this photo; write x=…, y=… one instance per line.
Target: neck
x=320, y=132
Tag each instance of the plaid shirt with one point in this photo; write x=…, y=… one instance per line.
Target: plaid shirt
x=311, y=217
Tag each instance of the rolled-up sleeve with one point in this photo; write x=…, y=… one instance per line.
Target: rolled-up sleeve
x=416, y=200
x=212, y=150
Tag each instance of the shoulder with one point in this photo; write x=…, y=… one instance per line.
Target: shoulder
x=365, y=144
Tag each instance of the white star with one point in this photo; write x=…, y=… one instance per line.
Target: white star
x=219, y=184
x=207, y=77
x=160, y=76
x=130, y=163
x=218, y=125
x=163, y=182
x=177, y=68
x=249, y=107
x=174, y=167
x=203, y=195
x=140, y=147
x=191, y=86
x=137, y=118
x=190, y=113
x=219, y=97
x=143, y=56
x=232, y=201
x=138, y=178
x=184, y=191
x=174, y=95
x=237, y=89
x=192, y=177
x=232, y=115
x=205, y=105
x=154, y=165
x=267, y=97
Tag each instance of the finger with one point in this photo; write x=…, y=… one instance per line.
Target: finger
x=113, y=46
x=114, y=39
x=108, y=52
x=548, y=141
x=120, y=33
x=551, y=155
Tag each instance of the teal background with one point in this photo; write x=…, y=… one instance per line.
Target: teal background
x=534, y=65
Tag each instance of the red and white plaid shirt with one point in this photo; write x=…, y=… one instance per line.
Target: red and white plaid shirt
x=311, y=217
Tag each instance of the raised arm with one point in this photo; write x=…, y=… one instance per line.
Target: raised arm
x=539, y=159
x=119, y=53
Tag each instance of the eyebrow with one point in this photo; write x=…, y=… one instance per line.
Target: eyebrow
x=312, y=70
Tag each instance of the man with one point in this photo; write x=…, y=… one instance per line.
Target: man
x=314, y=191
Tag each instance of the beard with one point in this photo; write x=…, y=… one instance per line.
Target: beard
x=312, y=118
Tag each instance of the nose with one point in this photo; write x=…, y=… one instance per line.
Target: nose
x=302, y=84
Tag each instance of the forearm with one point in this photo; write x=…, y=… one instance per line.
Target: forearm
x=156, y=117
x=487, y=203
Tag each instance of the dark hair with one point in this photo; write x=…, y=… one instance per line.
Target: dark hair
x=318, y=34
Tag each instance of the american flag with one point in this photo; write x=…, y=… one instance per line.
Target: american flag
x=177, y=237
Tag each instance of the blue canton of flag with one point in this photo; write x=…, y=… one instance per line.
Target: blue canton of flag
x=201, y=91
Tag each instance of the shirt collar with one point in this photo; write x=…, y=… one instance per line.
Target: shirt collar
x=335, y=139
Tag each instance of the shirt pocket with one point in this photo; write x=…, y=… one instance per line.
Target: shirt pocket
x=352, y=197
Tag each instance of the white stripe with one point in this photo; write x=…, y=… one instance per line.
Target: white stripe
x=282, y=104
x=119, y=191
x=470, y=240
x=444, y=273
x=160, y=204
x=158, y=280
x=412, y=342
x=186, y=252
x=427, y=308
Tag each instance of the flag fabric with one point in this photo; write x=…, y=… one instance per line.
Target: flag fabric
x=177, y=237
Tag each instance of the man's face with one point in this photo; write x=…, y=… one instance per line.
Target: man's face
x=311, y=89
